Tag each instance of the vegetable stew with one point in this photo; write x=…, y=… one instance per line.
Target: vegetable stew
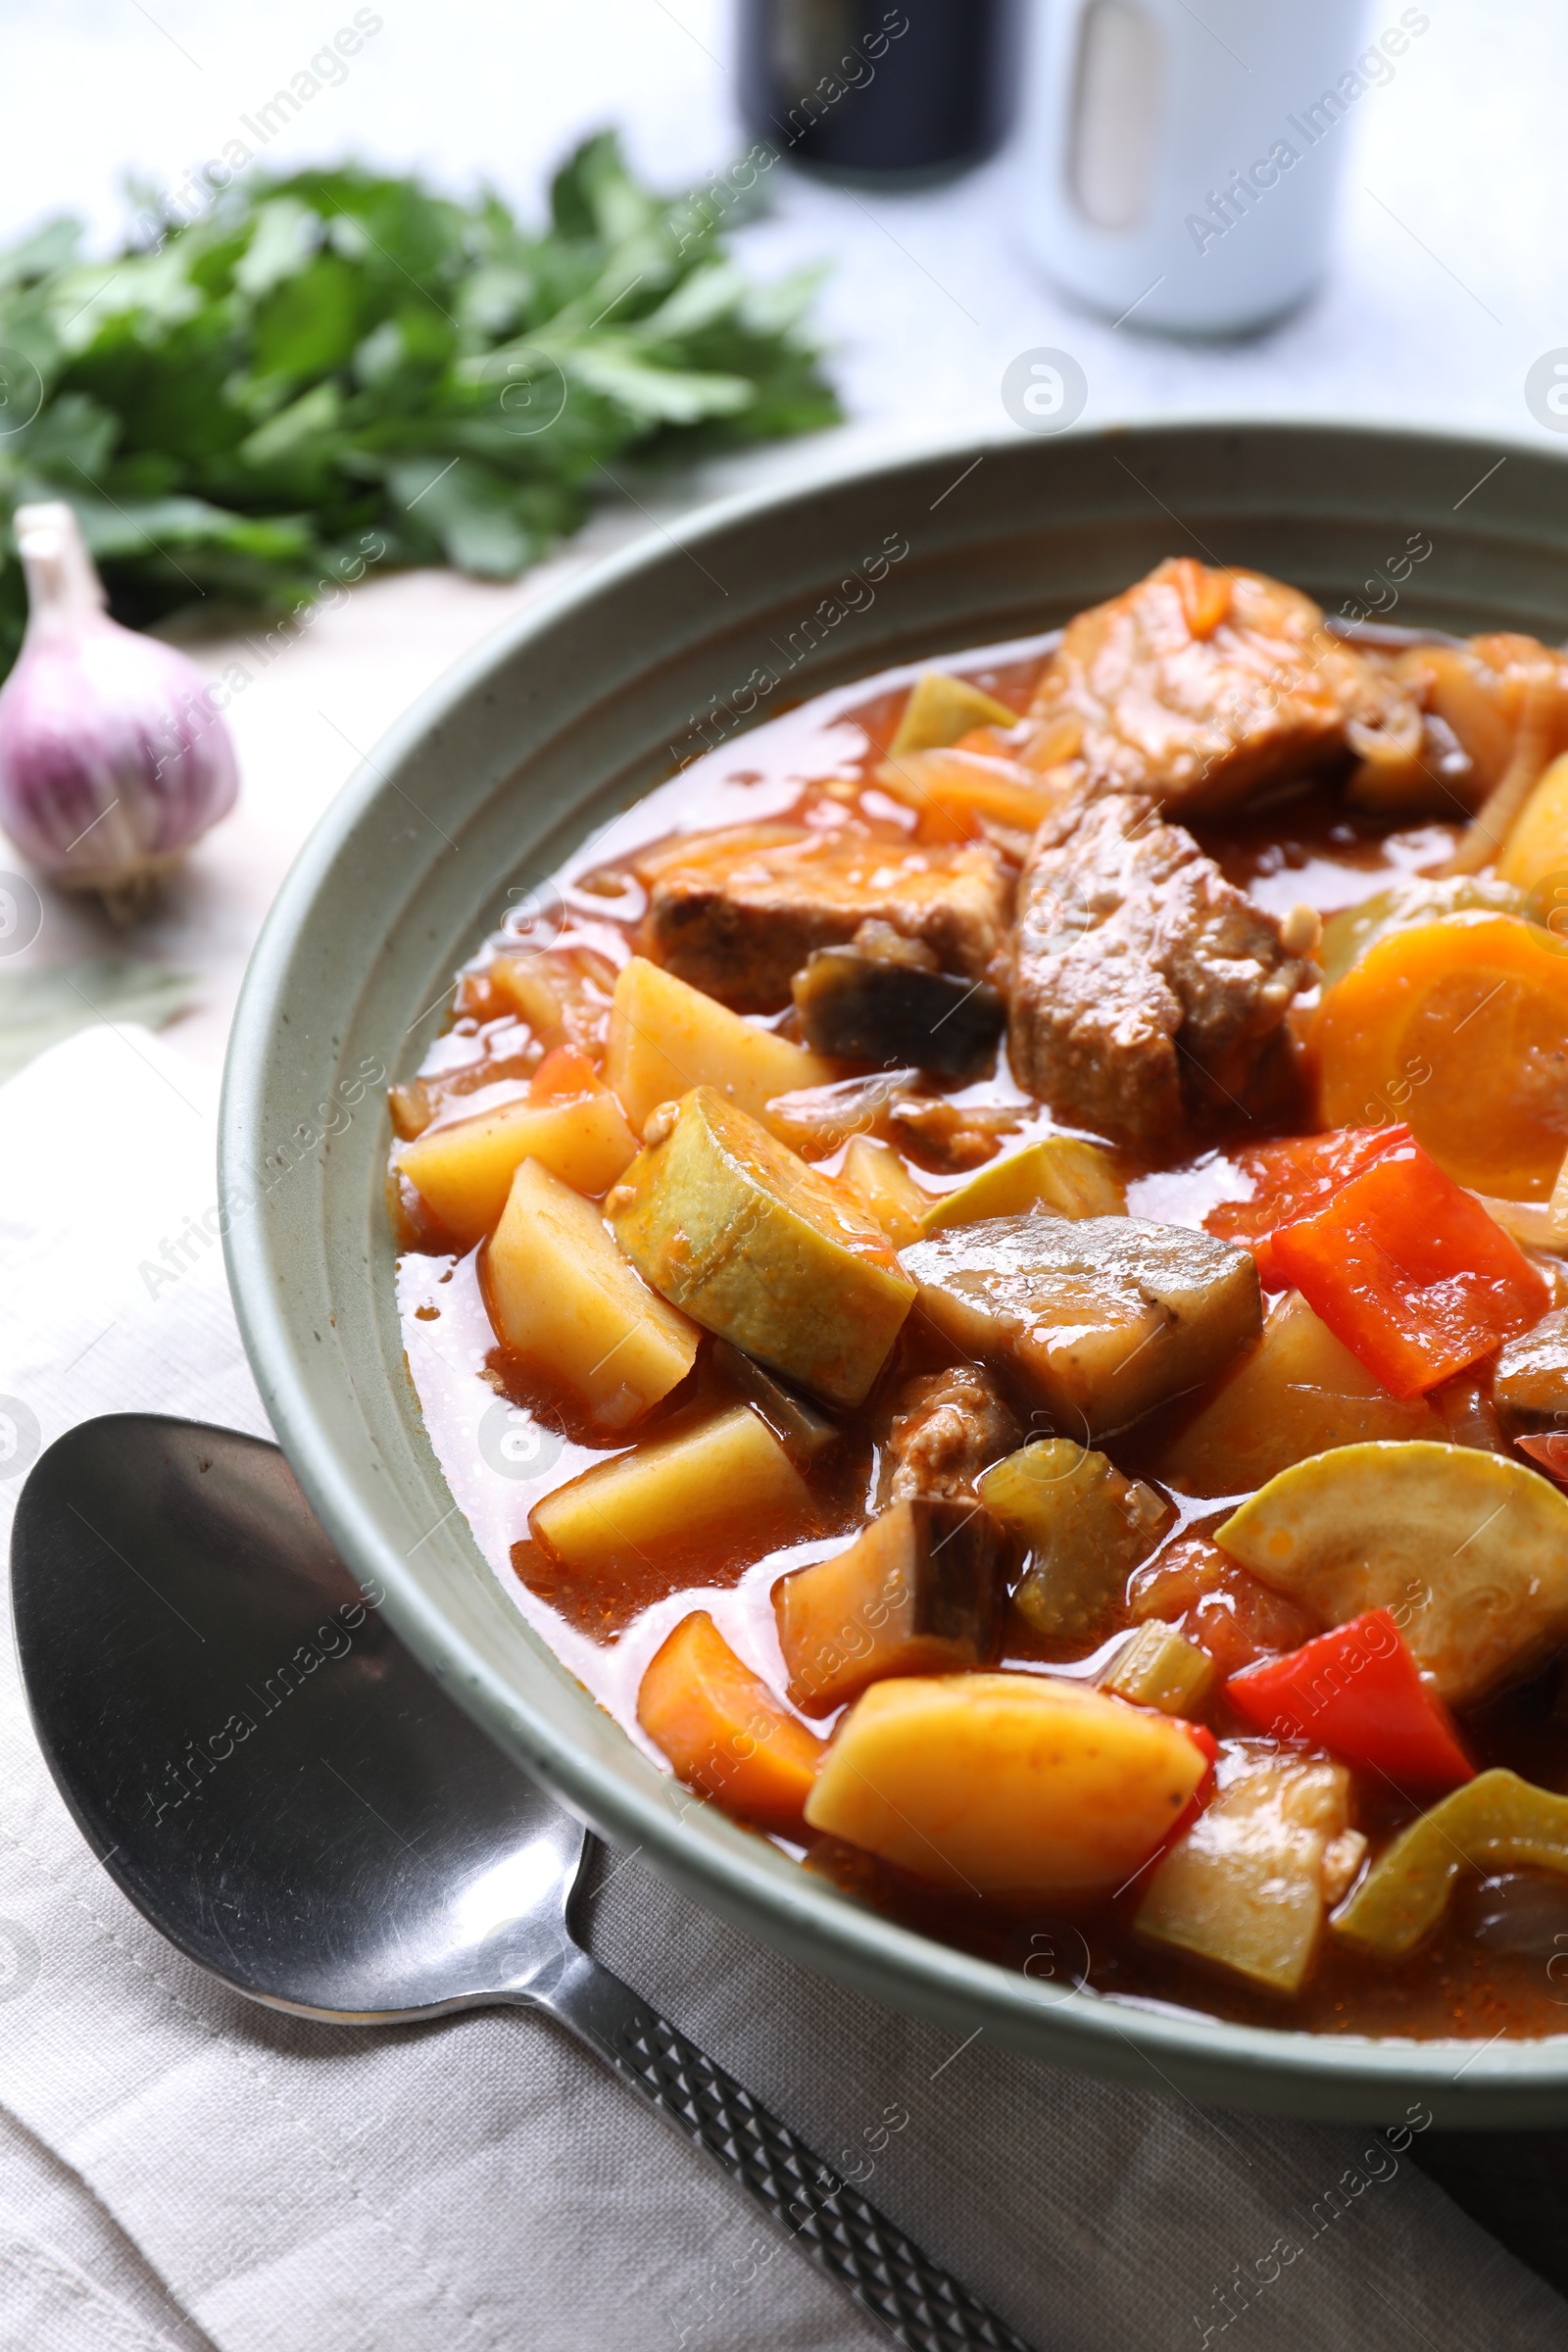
x=990, y=1264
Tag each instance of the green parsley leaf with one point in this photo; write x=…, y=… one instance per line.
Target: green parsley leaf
x=335, y=363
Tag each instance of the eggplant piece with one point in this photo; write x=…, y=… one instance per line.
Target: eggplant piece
x=883, y=1000
x=805, y=1434
x=920, y=1591
x=1105, y=1317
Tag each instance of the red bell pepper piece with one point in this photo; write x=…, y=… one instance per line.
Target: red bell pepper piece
x=1292, y=1177
x=1356, y=1692
x=1407, y=1270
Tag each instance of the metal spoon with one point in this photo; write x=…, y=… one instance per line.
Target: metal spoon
x=283, y=1792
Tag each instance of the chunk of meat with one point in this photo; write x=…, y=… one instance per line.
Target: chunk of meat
x=951, y=1137
x=946, y=1428
x=741, y=927
x=1144, y=986
x=1200, y=685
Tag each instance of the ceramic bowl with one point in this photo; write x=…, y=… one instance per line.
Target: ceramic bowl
x=574, y=711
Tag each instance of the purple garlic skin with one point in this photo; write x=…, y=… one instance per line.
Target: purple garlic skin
x=114, y=758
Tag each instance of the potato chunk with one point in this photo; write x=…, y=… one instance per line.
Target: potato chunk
x=1087, y=1528
x=562, y=1294
x=920, y=1592
x=688, y=1489
x=561, y=993
x=1244, y=1889
x=882, y=1179
x=730, y=1226
x=1537, y=848
x=1105, y=1317
x=1298, y=1394
x=464, y=1171
x=1004, y=1784
x=665, y=1038
x=1470, y=1549
x=723, y=1732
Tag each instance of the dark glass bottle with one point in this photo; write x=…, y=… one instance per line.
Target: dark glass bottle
x=885, y=92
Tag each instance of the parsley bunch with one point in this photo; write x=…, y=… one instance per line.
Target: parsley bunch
x=235, y=404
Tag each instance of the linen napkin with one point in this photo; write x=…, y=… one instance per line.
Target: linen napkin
x=179, y=2169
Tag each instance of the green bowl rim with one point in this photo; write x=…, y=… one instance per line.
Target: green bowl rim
x=711, y=1854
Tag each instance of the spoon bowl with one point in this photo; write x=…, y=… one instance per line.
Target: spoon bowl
x=256, y=1760
x=286, y=1796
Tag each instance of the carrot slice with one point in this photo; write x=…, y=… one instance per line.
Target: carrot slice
x=725, y=1732
x=1460, y=1028
x=565, y=1074
x=1206, y=594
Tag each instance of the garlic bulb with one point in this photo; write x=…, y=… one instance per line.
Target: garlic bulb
x=114, y=757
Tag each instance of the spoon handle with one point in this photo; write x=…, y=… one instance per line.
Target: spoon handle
x=919, y=2305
